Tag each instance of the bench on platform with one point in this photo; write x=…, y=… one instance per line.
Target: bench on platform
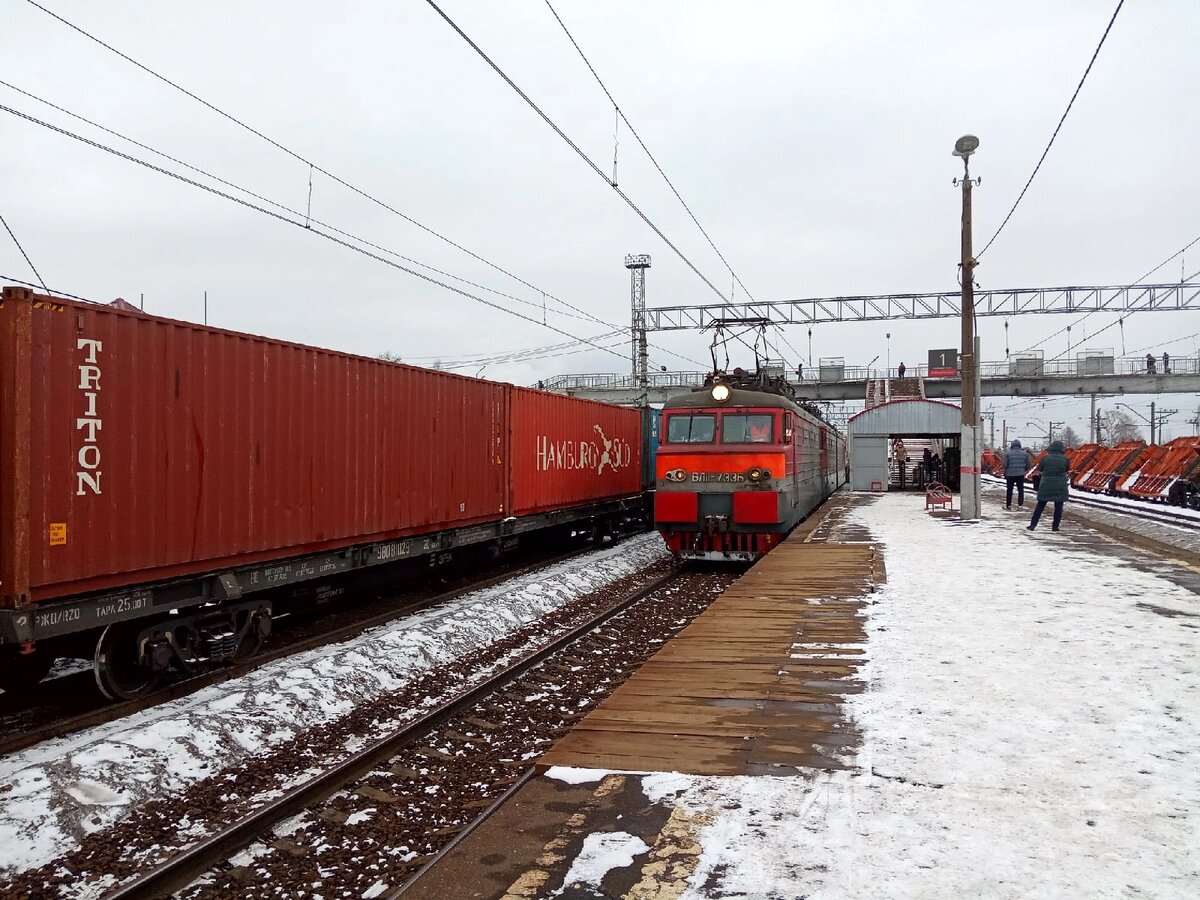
x=938, y=495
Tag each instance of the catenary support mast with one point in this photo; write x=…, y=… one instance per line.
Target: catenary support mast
x=637, y=264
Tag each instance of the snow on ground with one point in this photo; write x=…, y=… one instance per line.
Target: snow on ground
x=53, y=794
x=1028, y=730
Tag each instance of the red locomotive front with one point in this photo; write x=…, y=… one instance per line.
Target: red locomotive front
x=737, y=469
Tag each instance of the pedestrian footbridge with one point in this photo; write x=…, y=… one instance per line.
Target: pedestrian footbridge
x=1022, y=375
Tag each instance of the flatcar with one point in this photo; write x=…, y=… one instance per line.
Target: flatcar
x=739, y=465
x=163, y=484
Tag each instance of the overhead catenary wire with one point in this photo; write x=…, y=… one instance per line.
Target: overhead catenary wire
x=1182, y=250
x=280, y=206
x=1120, y=321
x=1057, y=128
x=313, y=166
x=453, y=363
x=570, y=143
x=299, y=223
x=51, y=291
x=620, y=112
x=23, y=253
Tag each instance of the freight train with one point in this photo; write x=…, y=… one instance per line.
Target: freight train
x=739, y=465
x=159, y=480
x=1161, y=473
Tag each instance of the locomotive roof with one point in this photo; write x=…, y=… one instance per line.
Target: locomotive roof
x=737, y=397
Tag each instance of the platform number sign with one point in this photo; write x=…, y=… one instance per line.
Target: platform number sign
x=943, y=363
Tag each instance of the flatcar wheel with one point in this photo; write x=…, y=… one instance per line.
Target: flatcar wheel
x=22, y=671
x=118, y=673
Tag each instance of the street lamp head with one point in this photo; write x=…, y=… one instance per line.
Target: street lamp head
x=966, y=145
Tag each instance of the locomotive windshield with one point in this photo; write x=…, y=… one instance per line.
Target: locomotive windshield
x=683, y=429
x=749, y=429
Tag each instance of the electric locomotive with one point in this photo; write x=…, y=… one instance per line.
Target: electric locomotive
x=740, y=463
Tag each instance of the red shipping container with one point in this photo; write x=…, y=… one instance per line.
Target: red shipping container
x=135, y=448
x=565, y=451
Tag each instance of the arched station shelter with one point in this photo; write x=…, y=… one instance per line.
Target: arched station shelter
x=874, y=435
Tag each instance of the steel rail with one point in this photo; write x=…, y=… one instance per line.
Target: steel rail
x=471, y=826
x=187, y=686
x=180, y=870
x=1150, y=514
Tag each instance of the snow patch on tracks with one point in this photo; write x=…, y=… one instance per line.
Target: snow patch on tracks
x=54, y=794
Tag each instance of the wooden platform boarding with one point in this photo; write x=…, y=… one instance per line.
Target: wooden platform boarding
x=754, y=684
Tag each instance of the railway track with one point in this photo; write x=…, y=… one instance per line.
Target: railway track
x=1150, y=513
x=422, y=785
x=17, y=733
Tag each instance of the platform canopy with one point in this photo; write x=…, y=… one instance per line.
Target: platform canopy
x=910, y=417
x=870, y=433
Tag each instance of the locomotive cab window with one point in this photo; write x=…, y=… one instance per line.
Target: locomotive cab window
x=748, y=429
x=691, y=429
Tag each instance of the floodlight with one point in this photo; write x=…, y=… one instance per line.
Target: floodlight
x=720, y=392
x=966, y=145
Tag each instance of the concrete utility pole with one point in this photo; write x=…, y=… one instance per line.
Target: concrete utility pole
x=1152, y=420
x=969, y=449
x=637, y=264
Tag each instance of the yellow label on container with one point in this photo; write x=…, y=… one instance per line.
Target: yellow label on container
x=58, y=534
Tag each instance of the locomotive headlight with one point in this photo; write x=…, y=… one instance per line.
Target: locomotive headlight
x=757, y=474
x=720, y=392
x=676, y=475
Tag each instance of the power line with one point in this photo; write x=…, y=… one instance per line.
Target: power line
x=30, y=284
x=287, y=209
x=1056, y=130
x=504, y=354
x=314, y=167
x=633, y=131
x=299, y=224
x=23, y=253
x=1119, y=321
x=570, y=143
x=1084, y=317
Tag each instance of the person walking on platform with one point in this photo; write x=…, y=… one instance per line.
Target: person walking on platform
x=1052, y=488
x=1149, y=363
x=1016, y=464
x=1166, y=363
x=927, y=462
x=901, y=459
x=900, y=369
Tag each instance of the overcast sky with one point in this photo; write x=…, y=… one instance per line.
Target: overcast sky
x=812, y=140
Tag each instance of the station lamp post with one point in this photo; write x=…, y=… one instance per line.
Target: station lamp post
x=971, y=429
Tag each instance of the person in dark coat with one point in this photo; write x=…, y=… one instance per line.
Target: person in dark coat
x=1166, y=363
x=1149, y=363
x=1053, y=487
x=1016, y=464
x=900, y=369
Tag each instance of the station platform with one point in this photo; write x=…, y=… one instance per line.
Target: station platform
x=1002, y=713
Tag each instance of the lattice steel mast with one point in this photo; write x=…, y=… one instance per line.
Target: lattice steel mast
x=637, y=264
